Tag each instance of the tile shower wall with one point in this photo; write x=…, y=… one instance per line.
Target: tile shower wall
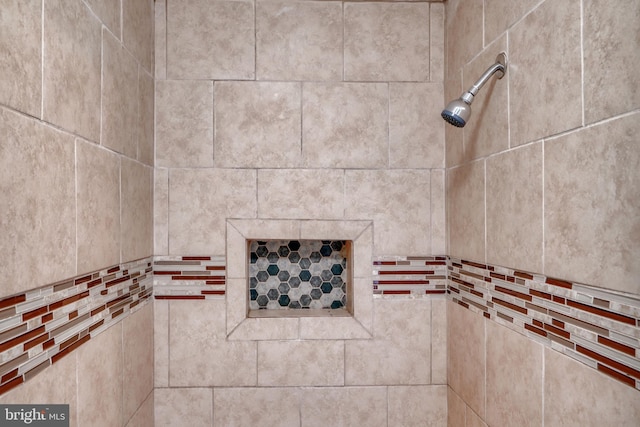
x=320, y=110
x=544, y=179
x=76, y=158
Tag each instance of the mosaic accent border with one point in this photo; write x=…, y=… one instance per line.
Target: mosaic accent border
x=409, y=275
x=189, y=277
x=597, y=327
x=41, y=326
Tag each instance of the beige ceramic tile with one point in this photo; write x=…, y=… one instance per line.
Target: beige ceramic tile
x=98, y=207
x=463, y=32
x=438, y=212
x=38, y=226
x=456, y=409
x=109, y=13
x=257, y=124
x=160, y=34
x=386, y=41
x=398, y=202
x=500, y=15
x=400, y=351
x=577, y=395
x=161, y=211
x=466, y=355
x=416, y=130
x=145, y=115
x=438, y=341
x=321, y=363
x=193, y=207
x=453, y=136
x=136, y=210
x=183, y=407
x=345, y=125
x=592, y=189
x=71, y=82
x=298, y=40
x=545, y=90
x=263, y=328
x=54, y=385
x=184, y=123
x=290, y=193
x=144, y=415
x=161, y=343
x=269, y=407
x=487, y=131
x=514, y=208
x=100, y=381
x=21, y=59
x=137, y=30
x=210, y=40
x=119, y=98
x=201, y=325
x=344, y=407
x=137, y=340
x=418, y=406
x=474, y=420
x=514, y=378
x=465, y=211
x=436, y=42
x=610, y=58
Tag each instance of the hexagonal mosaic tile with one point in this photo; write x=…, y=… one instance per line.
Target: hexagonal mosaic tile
x=297, y=274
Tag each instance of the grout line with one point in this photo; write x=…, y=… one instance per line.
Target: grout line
x=42, y=58
x=582, y=62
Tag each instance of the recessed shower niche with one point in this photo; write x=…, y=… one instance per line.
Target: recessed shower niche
x=299, y=274
x=299, y=279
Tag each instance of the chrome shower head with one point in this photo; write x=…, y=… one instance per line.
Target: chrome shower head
x=457, y=112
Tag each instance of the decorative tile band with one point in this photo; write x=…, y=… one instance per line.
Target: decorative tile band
x=410, y=275
x=189, y=277
x=41, y=326
x=597, y=327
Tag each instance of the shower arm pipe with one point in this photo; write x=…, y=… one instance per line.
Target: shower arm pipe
x=498, y=67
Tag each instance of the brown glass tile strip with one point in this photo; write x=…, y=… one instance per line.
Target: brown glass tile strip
x=34, y=313
x=539, y=294
x=401, y=282
x=390, y=292
x=9, y=376
x=475, y=264
x=557, y=331
x=609, y=362
x=196, y=258
x=8, y=302
x=617, y=375
x=171, y=297
x=505, y=317
x=509, y=305
x=35, y=371
x=534, y=329
x=21, y=338
x=617, y=346
x=34, y=342
x=66, y=301
x=62, y=286
x=69, y=349
x=523, y=275
x=216, y=282
x=212, y=292
x=11, y=384
x=513, y=293
x=9, y=312
x=604, y=313
x=406, y=272
x=116, y=281
x=167, y=273
x=560, y=283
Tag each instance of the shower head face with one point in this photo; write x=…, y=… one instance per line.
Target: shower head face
x=457, y=113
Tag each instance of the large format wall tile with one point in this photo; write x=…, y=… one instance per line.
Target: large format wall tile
x=136, y=210
x=416, y=131
x=38, y=225
x=289, y=193
x=217, y=362
x=184, y=123
x=576, y=395
x=345, y=125
x=137, y=30
x=257, y=124
x=400, y=351
x=487, y=132
x=145, y=130
x=500, y=15
x=514, y=378
x=21, y=59
x=438, y=341
x=98, y=210
x=109, y=13
x=386, y=41
x=72, y=50
x=418, y=406
x=210, y=40
x=465, y=210
x=343, y=407
x=298, y=40
x=545, y=87
x=183, y=407
x=592, y=200
x=395, y=228
x=198, y=203
x=466, y=350
x=138, y=369
x=160, y=211
x=611, y=60
x=256, y=406
x=119, y=98
x=100, y=380
x=514, y=208
x=144, y=416
x=463, y=32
